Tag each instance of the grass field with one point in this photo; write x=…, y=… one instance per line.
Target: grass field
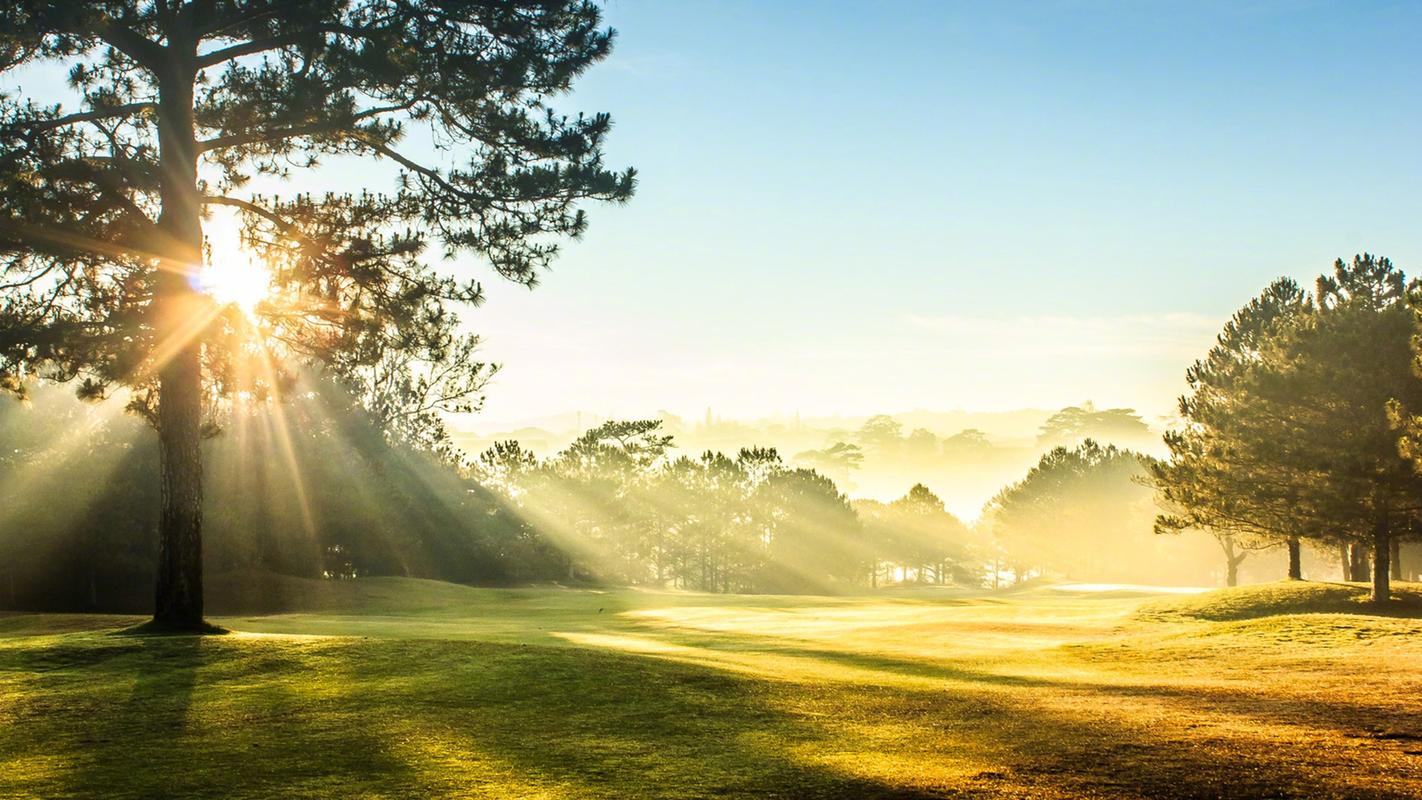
x=402, y=688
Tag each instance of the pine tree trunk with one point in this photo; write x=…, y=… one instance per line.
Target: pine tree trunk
x=1395, y=558
x=1295, y=560
x=178, y=323
x=1382, y=548
x=1357, y=562
x=1345, y=560
x=1232, y=560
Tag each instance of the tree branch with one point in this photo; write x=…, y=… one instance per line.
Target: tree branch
x=40, y=125
x=58, y=241
x=261, y=211
x=147, y=54
x=315, y=128
x=249, y=48
x=273, y=134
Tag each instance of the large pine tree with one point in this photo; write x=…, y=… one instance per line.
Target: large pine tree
x=179, y=105
x=1220, y=476
x=1288, y=432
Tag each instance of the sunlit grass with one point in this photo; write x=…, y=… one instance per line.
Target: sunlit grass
x=1273, y=599
x=392, y=687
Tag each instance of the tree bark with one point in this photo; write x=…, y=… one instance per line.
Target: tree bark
x=1232, y=559
x=1382, y=549
x=1344, y=558
x=1295, y=560
x=1357, y=562
x=178, y=323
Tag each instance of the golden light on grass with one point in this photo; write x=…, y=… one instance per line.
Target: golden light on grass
x=458, y=691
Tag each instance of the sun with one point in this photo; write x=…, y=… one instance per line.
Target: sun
x=235, y=278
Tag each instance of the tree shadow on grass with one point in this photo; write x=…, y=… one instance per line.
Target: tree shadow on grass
x=276, y=716
x=515, y=721
x=591, y=723
x=1298, y=704
x=1131, y=739
x=187, y=716
x=1349, y=716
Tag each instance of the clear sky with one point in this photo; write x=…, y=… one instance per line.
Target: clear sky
x=883, y=206
x=876, y=207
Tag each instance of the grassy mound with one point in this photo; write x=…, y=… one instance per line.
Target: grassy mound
x=1284, y=597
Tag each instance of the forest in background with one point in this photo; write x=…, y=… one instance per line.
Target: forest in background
x=965, y=457
x=621, y=504
x=342, y=498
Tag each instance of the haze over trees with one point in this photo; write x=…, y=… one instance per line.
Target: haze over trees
x=1082, y=513
x=181, y=108
x=341, y=500
x=1075, y=424
x=622, y=511
x=919, y=539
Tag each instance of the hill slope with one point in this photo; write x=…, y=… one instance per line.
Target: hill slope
x=1284, y=597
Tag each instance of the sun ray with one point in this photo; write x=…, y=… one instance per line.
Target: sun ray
x=282, y=429
x=26, y=479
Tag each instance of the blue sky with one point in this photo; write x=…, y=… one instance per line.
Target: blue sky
x=875, y=207
x=990, y=205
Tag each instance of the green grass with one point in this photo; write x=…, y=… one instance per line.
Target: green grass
x=1285, y=597
x=401, y=688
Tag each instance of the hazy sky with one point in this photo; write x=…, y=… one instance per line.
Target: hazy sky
x=985, y=205
x=854, y=208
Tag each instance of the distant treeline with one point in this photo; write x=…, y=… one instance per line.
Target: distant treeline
x=622, y=509
x=312, y=487
x=882, y=455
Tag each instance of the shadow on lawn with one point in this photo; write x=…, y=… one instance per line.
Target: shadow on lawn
x=189, y=716
x=116, y=741
x=610, y=724
x=201, y=717
x=1106, y=737
x=584, y=723
x=243, y=716
x=1349, y=717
